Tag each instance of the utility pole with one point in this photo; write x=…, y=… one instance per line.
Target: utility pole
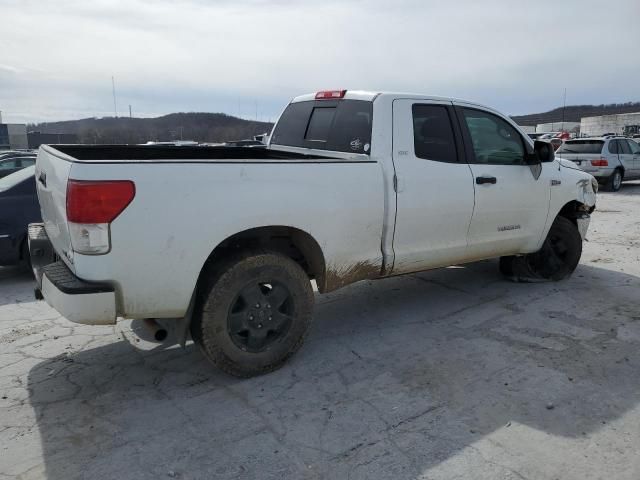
x=113, y=89
x=130, y=112
x=564, y=104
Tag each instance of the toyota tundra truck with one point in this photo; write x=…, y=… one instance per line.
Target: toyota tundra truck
x=353, y=185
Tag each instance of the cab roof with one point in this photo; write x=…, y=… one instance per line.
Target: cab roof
x=370, y=96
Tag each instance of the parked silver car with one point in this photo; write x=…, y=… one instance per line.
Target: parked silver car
x=609, y=159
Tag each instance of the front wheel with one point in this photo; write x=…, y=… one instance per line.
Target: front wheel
x=253, y=313
x=556, y=260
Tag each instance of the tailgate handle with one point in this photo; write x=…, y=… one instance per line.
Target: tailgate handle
x=481, y=180
x=42, y=178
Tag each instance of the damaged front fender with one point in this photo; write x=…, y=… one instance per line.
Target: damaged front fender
x=587, y=188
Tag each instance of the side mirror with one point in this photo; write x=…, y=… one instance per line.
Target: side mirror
x=542, y=152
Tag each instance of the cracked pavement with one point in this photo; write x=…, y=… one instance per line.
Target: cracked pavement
x=448, y=374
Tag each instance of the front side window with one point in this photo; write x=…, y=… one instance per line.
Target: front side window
x=433, y=137
x=624, y=147
x=494, y=140
x=635, y=148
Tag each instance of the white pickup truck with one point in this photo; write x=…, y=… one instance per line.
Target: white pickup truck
x=353, y=185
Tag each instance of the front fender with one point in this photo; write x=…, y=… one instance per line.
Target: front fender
x=573, y=195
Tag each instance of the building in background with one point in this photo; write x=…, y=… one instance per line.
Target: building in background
x=619, y=124
x=13, y=136
x=35, y=139
x=571, y=127
x=527, y=129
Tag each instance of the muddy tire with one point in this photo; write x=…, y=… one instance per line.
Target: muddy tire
x=556, y=260
x=614, y=183
x=506, y=265
x=253, y=312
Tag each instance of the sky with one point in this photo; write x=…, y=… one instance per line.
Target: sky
x=249, y=57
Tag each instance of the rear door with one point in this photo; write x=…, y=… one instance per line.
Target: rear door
x=434, y=186
x=511, y=205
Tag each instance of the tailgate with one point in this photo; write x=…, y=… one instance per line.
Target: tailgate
x=52, y=172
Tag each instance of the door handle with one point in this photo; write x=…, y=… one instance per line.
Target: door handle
x=482, y=180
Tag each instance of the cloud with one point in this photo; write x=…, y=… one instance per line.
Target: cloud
x=213, y=56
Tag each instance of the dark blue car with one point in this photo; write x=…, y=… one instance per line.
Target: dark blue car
x=18, y=208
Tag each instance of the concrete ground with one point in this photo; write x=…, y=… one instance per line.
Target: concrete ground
x=448, y=374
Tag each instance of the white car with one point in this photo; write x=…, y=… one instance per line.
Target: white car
x=353, y=185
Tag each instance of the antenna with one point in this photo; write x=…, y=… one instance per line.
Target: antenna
x=113, y=88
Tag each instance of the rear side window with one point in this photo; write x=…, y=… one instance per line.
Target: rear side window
x=582, y=146
x=433, y=137
x=340, y=125
x=613, y=147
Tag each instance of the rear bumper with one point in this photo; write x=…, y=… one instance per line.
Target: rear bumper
x=75, y=299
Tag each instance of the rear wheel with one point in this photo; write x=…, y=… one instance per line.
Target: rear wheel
x=557, y=259
x=253, y=313
x=615, y=180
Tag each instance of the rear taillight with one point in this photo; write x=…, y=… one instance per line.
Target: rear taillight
x=330, y=94
x=91, y=207
x=601, y=162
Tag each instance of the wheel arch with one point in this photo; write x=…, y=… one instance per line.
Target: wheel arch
x=573, y=209
x=293, y=242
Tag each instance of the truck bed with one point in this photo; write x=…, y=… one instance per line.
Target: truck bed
x=170, y=153
x=188, y=200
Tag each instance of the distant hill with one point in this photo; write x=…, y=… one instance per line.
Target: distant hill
x=574, y=113
x=203, y=127
x=219, y=127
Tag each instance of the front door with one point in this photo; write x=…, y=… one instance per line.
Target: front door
x=626, y=158
x=511, y=205
x=635, y=160
x=434, y=186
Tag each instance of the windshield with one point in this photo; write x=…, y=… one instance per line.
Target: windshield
x=15, y=178
x=582, y=146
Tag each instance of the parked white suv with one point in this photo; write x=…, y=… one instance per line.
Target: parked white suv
x=609, y=159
